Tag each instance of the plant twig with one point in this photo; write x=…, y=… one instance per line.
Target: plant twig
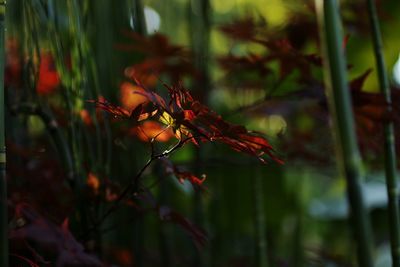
x=132, y=188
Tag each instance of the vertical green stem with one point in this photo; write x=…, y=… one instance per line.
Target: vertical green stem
x=3, y=183
x=259, y=220
x=390, y=153
x=343, y=121
x=200, y=25
x=138, y=16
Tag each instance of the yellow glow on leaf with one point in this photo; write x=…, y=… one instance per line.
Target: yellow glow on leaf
x=166, y=119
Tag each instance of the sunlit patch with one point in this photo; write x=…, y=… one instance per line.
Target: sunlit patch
x=167, y=119
x=152, y=129
x=275, y=12
x=152, y=18
x=276, y=124
x=271, y=125
x=36, y=126
x=130, y=96
x=396, y=72
x=222, y=6
x=235, y=99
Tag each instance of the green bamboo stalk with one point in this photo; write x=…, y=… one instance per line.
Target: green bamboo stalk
x=200, y=25
x=199, y=33
x=389, y=146
x=86, y=66
x=343, y=122
x=137, y=11
x=3, y=183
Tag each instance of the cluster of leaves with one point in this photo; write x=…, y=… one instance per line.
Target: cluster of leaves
x=47, y=80
x=160, y=56
x=40, y=204
x=192, y=121
x=40, y=236
x=253, y=70
x=276, y=50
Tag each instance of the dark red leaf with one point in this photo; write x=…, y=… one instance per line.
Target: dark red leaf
x=160, y=57
x=52, y=239
x=198, y=235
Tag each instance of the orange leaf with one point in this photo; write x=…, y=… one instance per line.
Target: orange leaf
x=93, y=182
x=86, y=118
x=151, y=129
x=131, y=96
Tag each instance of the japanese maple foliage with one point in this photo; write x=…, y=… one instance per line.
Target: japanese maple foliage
x=254, y=70
x=46, y=237
x=183, y=175
x=160, y=57
x=278, y=49
x=192, y=121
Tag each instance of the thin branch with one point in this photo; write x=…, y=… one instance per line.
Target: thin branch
x=132, y=188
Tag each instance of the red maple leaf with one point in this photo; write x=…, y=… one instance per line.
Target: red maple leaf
x=160, y=56
x=277, y=49
x=48, y=79
x=50, y=238
x=244, y=29
x=370, y=109
x=191, y=120
x=198, y=235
